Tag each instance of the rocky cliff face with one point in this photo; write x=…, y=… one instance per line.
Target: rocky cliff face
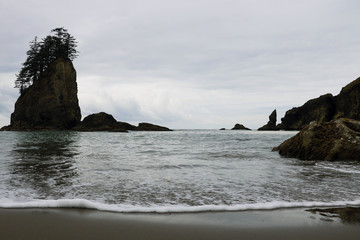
x=325, y=108
x=51, y=103
x=348, y=101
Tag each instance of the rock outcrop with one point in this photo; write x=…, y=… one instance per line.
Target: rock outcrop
x=271, y=125
x=151, y=127
x=99, y=122
x=335, y=140
x=325, y=108
x=348, y=101
x=240, y=127
x=51, y=103
x=320, y=109
x=107, y=123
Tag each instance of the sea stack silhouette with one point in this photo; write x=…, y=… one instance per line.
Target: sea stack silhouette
x=271, y=125
x=50, y=103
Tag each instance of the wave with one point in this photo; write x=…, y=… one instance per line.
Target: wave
x=342, y=170
x=87, y=204
x=354, y=169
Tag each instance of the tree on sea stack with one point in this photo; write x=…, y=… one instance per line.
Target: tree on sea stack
x=41, y=54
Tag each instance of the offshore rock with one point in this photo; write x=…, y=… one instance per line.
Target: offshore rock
x=240, y=127
x=51, y=103
x=325, y=108
x=127, y=126
x=99, y=122
x=151, y=127
x=331, y=141
x=271, y=125
x=107, y=123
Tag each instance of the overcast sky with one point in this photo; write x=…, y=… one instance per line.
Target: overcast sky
x=191, y=63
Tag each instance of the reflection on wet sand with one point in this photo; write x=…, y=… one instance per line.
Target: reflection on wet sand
x=347, y=215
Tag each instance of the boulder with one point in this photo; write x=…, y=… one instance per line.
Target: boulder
x=240, y=127
x=271, y=125
x=99, y=122
x=332, y=141
x=50, y=103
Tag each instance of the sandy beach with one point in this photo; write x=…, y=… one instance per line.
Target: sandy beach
x=90, y=224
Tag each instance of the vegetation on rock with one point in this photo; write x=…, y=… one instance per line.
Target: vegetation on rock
x=51, y=103
x=59, y=45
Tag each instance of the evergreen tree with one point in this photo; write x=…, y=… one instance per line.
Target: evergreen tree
x=41, y=54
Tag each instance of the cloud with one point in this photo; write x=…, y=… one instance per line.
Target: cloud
x=199, y=63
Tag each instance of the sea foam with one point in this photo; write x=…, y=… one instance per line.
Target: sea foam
x=86, y=204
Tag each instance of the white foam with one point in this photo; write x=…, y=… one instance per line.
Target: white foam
x=83, y=203
x=337, y=169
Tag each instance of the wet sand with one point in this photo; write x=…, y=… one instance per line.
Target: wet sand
x=80, y=224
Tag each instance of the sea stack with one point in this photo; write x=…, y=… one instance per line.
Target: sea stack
x=271, y=125
x=240, y=127
x=50, y=103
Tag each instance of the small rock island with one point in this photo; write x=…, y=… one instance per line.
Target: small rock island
x=50, y=103
x=239, y=126
x=106, y=122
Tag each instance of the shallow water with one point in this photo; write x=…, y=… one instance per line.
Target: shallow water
x=184, y=170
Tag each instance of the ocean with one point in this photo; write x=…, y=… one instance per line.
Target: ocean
x=166, y=172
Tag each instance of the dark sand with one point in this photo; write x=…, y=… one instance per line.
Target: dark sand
x=88, y=224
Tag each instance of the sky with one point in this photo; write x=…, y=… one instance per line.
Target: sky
x=190, y=64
